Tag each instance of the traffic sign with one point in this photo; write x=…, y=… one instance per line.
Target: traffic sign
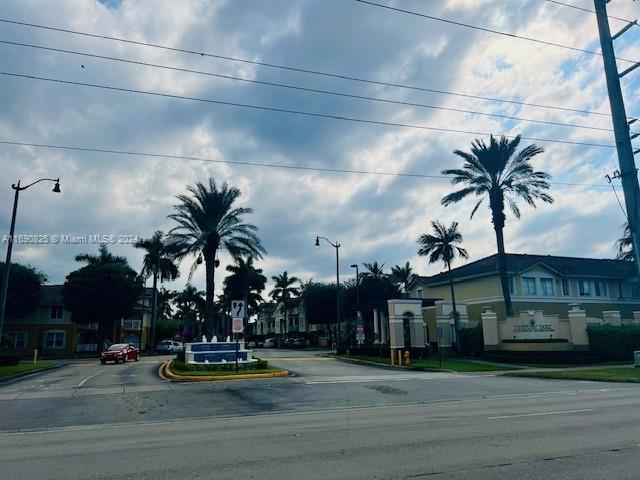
x=238, y=325
x=237, y=309
x=360, y=333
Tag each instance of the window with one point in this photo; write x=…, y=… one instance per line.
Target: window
x=56, y=312
x=529, y=286
x=512, y=286
x=635, y=290
x=600, y=288
x=17, y=339
x=419, y=293
x=565, y=287
x=546, y=287
x=54, y=339
x=584, y=287
x=131, y=324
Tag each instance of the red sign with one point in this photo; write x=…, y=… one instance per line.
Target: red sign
x=238, y=325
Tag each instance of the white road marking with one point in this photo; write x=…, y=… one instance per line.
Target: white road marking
x=539, y=414
x=89, y=378
x=389, y=378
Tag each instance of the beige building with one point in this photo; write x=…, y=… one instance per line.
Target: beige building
x=551, y=284
x=49, y=327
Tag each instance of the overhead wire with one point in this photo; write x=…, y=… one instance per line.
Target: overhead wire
x=487, y=30
x=302, y=88
x=254, y=164
x=301, y=70
x=293, y=111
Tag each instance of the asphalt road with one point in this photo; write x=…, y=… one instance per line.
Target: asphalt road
x=331, y=420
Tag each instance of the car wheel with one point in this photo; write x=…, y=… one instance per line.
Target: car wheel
x=137, y=357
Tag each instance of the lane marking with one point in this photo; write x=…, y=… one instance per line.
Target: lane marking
x=89, y=378
x=540, y=414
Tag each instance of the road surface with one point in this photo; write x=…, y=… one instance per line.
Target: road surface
x=331, y=420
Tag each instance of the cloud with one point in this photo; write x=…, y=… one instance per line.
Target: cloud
x=373, y=217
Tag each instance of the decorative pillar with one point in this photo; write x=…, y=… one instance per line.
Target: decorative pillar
x=612, y=317
x=384, y=328
x=490, y=333
x=376, y=326
x=578, y=327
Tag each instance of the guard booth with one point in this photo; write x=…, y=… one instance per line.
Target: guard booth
x=407, y=330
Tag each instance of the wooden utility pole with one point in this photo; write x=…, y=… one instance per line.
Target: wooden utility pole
x=621, y=123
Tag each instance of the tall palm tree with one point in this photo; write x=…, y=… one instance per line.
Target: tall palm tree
x=402, y=275
x=625, y=246
x=190, y=304
x=104, y=256
x=495, y=171
x=156, y=264
x=284, y=291
x=207, y=221
x=443, y=245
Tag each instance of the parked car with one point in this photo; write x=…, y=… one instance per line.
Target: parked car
x=271, y=343
x=120, y=352
x=252, y=344
x=169, y=347
x=299, y=343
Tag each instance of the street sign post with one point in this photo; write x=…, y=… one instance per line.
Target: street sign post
x=360, y=333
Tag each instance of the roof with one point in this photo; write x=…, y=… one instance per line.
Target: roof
x=518, y=262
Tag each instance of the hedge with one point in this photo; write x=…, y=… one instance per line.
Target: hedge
x=219, y=367
x=471, y=341
x=610, y=342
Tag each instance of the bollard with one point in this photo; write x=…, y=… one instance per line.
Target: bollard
x=35, y=356
x=407, y=358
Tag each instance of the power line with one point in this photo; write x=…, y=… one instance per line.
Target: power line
x=294, y=112
x=254, y=164
x=576, y=7
x=301, y=88
x=487, y=30
x=302, y=70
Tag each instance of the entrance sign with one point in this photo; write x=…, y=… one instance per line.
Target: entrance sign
x=360, y=333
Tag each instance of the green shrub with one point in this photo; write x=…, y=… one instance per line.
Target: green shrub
x=224, y=367
x=471, y=341
x=614, y=343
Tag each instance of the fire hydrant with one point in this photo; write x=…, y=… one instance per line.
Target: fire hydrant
x=407, y=357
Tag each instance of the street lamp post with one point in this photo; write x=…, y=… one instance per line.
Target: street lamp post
x=335, y=245
x=358, y=314
x=7, y=264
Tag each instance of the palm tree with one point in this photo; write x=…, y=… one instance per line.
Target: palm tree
x=246, y=281
x=207, y=221
x=402, y=275
x=284, y=291
x=104, y=257
x=158, y=265
x=374, y=271
x=190, y=304
x=495, y=171
x=443, y=244
x=625, y=245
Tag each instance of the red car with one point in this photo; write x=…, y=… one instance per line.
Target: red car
x=120, y=352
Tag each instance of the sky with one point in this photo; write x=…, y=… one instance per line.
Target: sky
x=373, y=217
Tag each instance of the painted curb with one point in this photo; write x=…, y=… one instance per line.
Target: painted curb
x=166, y=373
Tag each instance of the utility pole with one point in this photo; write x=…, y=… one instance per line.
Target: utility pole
x=628, y=171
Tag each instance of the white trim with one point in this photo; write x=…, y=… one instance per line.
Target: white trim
x=44, y=339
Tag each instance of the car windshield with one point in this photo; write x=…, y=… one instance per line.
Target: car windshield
x=118, y=346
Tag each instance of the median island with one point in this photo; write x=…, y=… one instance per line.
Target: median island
x=180, y=371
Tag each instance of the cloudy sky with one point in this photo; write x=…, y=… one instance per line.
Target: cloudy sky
x=374, y=217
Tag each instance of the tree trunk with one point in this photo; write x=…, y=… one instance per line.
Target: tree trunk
x=209, y=314
x=456, y=326
x=497, y=210
x=154, y=312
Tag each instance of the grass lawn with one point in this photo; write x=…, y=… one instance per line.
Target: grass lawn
x=613, y=374
x=448, y=363
x=24, y=367
x=223, y=373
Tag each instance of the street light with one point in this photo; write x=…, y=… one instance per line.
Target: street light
x=335, y=245
x=7, y=263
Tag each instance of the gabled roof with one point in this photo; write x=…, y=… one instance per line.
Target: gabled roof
x=518, y=262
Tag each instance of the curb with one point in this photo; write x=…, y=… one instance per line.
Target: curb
x=28, y=374
x=166, y=374
x=393, y=367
